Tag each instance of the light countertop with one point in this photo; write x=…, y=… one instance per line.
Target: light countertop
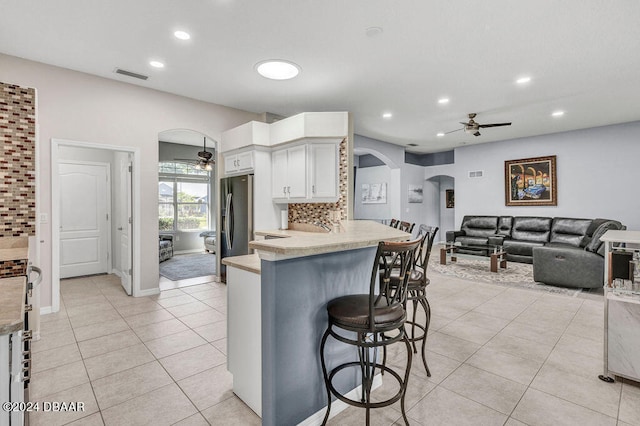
x=14, y=248
x=621, y=236
x=12, y=293
x=249, y=262
x=353, y=234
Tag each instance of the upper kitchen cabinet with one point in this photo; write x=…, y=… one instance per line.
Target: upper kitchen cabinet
x=323, y=172
x=306, y=173
x=304, y=154
x=289, y=174
x=241, y=162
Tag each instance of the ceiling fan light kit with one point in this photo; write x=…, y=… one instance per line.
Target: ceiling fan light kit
x=473, y=127
x=205, y=159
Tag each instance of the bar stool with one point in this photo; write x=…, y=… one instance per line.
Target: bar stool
x=378, y=320
x=406, y=226
x=417, y=290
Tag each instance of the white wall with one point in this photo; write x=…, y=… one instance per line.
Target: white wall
x=597, y=173
x=82, y=107
x=413, y=212
x=369, y=175
x=399, y=177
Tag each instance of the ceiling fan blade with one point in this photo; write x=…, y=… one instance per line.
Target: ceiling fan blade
x=457, y=130
x=495, y=125
x=465, y=124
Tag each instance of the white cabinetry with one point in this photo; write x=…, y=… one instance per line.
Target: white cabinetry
x=238, y=162
x=324, y=172
x=621, y=314
x=289, y=174
x=305, y=173
x=244, y=335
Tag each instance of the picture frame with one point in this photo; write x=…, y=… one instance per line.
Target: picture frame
x=531, y=182
x=374, y=193
x=449, y=199
x=414, y=194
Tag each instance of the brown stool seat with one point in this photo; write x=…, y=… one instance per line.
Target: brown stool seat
x=353, y=311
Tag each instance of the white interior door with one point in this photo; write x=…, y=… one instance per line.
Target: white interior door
x=124, y=225
x=84, y=219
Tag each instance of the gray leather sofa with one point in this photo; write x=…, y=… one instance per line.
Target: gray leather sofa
x=564, y=251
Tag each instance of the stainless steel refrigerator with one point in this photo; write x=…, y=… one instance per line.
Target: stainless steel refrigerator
x=236, y=217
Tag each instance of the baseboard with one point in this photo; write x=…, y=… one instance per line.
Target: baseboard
x=338, y=406
x=148, y=292
x=46, y=310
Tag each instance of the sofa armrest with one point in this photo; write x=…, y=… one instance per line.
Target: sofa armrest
x=452, y=235
x=568, y=266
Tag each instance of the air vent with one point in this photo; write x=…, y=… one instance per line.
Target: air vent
x=131, y=74
x=476, y=174
x=412, y=144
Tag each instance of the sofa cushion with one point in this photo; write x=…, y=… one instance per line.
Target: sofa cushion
x=595, y=242
x=523, y=248
x=505, y=224
x=532, y=229
x=479, y=226
x=569, y=231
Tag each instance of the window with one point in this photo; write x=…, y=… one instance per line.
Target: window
x=183, y=197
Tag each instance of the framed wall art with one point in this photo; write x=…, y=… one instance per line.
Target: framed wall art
x=449, y=200
x=374, y=193
x=415, y=193
x=531, y=182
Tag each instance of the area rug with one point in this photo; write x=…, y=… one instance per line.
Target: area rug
x=515, y=275
x=184, y=266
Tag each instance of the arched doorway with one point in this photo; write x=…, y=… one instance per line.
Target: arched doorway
x=377, y=169
x=438, y=191
x=187, y=208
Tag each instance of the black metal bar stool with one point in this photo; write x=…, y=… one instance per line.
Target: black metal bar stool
x=377, y=319
x=417, y=290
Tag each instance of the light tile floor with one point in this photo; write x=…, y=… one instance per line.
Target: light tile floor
x=498, y=355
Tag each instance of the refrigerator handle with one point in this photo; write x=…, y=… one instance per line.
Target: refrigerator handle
x=227, y=227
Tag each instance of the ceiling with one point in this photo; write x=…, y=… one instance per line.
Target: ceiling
x=581, y=55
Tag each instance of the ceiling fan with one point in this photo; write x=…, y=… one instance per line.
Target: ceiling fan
x=473, y=127
x=205, y=159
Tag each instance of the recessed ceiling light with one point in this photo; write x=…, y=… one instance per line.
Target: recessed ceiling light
x=523, y=80
x=387, y=115
x=373, y=31
x=182, y=35
x=277, y=69
x=443, y=100
x=440, y=135
x=557, y=113
x=156, y=64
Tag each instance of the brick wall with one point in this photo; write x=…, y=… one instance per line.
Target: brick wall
x=17, y=161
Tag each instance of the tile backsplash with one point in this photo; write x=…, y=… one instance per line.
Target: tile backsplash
x=313, y=212
x=17, y=161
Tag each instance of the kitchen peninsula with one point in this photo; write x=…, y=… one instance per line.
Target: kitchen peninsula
x=277, y=315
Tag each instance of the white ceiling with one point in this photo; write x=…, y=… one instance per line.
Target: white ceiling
x=582, y=56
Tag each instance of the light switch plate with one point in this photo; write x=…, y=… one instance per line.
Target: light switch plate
x=44, y=218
